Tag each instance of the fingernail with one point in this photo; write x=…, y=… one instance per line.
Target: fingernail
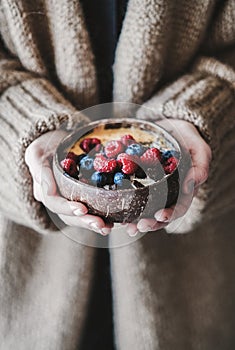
x=105, y=231
x=79, y=212
x=94, y=226
x=190, y=186
x=74, y=206
x=161, y=217
x=145, y=228
x=133, y=234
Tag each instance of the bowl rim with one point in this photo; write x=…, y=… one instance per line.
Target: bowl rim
x=113, y=121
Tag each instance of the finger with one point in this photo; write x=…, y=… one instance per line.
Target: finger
x=37, y=191
x=38, y=152
x=60, y=205
x=132, y=230
x=89, y=222
x=33, y=159
x=199, y=170
x=147, y=225
x=57, y=204
x=169, y=214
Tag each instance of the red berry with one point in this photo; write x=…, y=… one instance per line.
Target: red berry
x=95, y=141
x=126, y=156
x=128, y=166
x=151, y=156
x=127, y=140
x=73, y=156
x=69, y=166
x=170, y=165
x=123, y=155
x=113, y=148
x=98, y=147
x=111, y=165
x=99, y=162
x=128, y=163
x=104, y=165
x=89, y=143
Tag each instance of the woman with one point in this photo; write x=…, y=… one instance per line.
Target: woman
x=169, y=57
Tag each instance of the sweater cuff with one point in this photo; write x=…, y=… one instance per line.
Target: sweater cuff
x=202, y=98
x=28, y=110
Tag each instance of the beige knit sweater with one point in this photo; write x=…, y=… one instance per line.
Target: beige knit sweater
x=179, y=58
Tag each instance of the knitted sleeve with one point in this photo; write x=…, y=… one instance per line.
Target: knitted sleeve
x=29, y=107
x=204, y=97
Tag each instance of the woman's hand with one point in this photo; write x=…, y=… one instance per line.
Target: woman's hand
x=200, y=153
x=37, y=157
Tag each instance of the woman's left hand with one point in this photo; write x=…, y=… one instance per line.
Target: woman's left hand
x=200, y=153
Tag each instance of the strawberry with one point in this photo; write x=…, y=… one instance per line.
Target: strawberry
x=113, y=148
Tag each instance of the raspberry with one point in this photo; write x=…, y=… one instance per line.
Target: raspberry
x=97, y=149
x=170, y=165
x=127, y=140
x=73, y=156
x=135, y=149
x=104, y=165
x=151, y=156
x=128, y=166
x=99, y=162
x=89, y=143
x=69, y=166
x=113, y=148
x=122, y=156
x=126, y=156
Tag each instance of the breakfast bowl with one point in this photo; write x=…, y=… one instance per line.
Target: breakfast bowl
x=122, y=169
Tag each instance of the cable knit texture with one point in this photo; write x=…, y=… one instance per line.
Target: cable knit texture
x=176, y=57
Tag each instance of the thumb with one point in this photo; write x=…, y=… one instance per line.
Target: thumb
x=199, y=170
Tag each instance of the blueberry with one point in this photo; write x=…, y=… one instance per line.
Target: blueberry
x=86, y=163
x=122, y=180
x=80, y=157
x=135, y=149
x=99, y=179
x=170, y=153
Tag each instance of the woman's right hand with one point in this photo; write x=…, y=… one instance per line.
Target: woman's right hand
x=38, y=157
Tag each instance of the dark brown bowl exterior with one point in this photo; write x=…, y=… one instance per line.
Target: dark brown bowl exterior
x=120, y=206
